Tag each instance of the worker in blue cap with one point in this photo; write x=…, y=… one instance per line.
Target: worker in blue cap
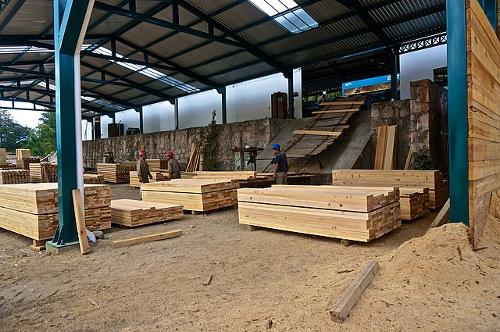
x=280, y=163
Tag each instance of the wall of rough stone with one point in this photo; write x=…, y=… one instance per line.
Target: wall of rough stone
x=256, y=133
x=422, y=122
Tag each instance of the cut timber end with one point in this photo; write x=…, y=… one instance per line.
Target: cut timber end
x=350, y=296
x=146, y=238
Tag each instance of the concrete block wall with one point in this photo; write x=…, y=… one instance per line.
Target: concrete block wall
x=256, y=133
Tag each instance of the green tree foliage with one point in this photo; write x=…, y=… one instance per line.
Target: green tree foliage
x=210, y=146
x=42, y=139
x=12, y=134
x=422, y=160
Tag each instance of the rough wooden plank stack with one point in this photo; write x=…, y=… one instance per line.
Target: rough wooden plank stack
x=199, y=195
x=156, y=165
x=93, y=179
x=114, y=173
x=432, y=179
x=12, y=176
x=25, y=162
x=414, y=202
x=322, y=210
x=132, y=213
x=22, y=153
x=7, y=166
x=157, y=177
x=32, y=209
x=225, y=175
x=483, y=115
x=43, y=172
x=3, y=155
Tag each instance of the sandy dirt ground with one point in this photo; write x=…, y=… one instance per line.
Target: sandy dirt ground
x=261, y=280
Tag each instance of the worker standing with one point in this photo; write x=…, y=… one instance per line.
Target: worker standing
x=173, y=166
x=280, y=163
x=143, y=172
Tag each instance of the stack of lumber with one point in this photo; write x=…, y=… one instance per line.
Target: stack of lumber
x=93, y=179
x=431, y=179
x=7, y=166
x=43, y=172
x=131, y=164
x=157, y=164
x=157, y=177
x=114, y=173
x=32, y=209
x=198, y=195
x=414, y=202
x=22, y=153
x=3, y=155
x=322, y=210
x=11, y=176
x=194, y=158
x=25, y=162
x=385, y=152
x=225, y=175
x=132, y=213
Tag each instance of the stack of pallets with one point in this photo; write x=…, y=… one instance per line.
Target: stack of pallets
x=321, y=210
x=43, y=172
x=12, y=176
x=196, y=195
x=157, y=177
x=32, y=209
x=431, y=179
x=114, y=173
x=93, y=179
x=132, y=213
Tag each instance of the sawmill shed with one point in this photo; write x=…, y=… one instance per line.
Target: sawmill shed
x=167, y=196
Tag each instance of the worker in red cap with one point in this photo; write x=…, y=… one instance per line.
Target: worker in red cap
x=173, y=166
x=143, y=172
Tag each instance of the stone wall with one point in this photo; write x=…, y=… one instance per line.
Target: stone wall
x=422, y=122
x=256, y=133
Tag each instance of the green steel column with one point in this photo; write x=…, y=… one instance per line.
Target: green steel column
x=457, y=111
x=224, y=105
x=291, y=111
x=70, y=23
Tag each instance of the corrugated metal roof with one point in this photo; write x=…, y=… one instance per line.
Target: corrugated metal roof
x=201, y=61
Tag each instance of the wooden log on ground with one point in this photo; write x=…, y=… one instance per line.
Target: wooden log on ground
x=132, y=213
x=350, y=295
x=146, y=238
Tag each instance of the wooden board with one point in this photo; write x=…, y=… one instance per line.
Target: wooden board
x=132, y=213
x=351, y=294
x=208, y=201
x=80, y=221
x=157, y=177
x=317, y=132
x=390, y=148
x=43, y=172
x=13, y=176
x=146, y=238
x=114, y=173
x=196, y=186
x=220, y=175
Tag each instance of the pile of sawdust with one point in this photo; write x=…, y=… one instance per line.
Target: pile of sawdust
x=435, y=282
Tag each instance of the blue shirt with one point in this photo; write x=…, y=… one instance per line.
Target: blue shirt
x=282, y=162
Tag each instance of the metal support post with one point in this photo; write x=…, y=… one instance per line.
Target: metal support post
x=289, y=76
x=457, y=111
x=176, y=113
x=394, y=72
x=223, y=94
x=71, y=18
x=141, y=121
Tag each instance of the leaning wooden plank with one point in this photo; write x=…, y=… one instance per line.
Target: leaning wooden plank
x=146, y=238
x=351, y=294
x=336, y=111
x=338, y=103
x=317, y=132
x=390, y=148
x=380, y=148
x=80, y=222
x=442, y=215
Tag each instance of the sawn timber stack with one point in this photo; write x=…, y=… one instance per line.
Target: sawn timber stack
x=32, y=209
x=114, y=173
x=157, y=177
x=196, y=195
x=322, y=210
x=432, y=179
x=43, y=172
x=12, y=176
x=132, y=213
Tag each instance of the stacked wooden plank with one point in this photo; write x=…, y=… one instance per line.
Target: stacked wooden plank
x=225, y=175
x=322, y=210
x=194, y=158
x=157, y=164
x=7, y=166
x=32, y=209
x=199, y=195
x=157, y=177
x=3, y=155
x=114, y=173
x=93, y=179
x=385, y=152
x=431, y=179
x=22, y=153
x=11, y=176
x=323, y=129
x=43, y=172
x=25, y=162
x=414, y=202
x=132, y=213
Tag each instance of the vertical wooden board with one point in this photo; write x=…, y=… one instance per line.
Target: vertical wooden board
x=80, y=221
x=380, y=149
x=390, y=149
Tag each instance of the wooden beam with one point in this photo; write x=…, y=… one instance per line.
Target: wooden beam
x=350, y=296
x=341, y=103
x=442, y=216
x=336, y=111
x=80, y=222
x=317, y=132
x=146, y=238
